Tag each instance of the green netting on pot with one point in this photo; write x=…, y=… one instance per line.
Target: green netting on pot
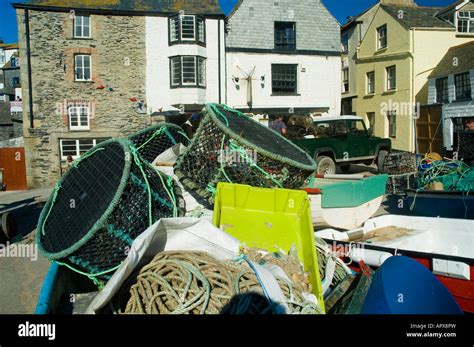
x=153, y=141
x=231, y=147
x=101, y=205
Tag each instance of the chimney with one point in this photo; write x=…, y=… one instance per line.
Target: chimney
x=399, y=2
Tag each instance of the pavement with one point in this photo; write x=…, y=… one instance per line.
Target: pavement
x=22, y=269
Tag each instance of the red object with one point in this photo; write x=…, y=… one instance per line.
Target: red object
x=133, y=99
x=315, y=191
x=100, y=87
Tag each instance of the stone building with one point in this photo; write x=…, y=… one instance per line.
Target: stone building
x=88, y=80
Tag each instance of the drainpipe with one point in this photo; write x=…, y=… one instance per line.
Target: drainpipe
x=415, y=144
x=28, y=58
x=219, y=59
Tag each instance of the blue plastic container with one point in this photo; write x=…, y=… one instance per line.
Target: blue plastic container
x=404, y=286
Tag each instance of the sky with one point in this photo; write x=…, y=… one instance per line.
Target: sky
x=340, y=9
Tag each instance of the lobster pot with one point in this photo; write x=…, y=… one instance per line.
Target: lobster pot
x=464, y=145
x=153, y=141
x=399, y=163
x=399, y=184
x=101, y=205
x=231, y=147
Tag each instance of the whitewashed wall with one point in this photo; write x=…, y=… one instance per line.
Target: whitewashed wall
x=158, y=51
x=318, y=86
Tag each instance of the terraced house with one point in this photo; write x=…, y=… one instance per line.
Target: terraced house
x=99, y=70
x=399, y=47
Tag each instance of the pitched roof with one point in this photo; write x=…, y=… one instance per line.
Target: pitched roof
x=209, y=7
x=416, y=16
x=463, y=53
x=451, y=7
x=9, y=45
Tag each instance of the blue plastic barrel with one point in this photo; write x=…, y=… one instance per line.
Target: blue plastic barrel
x=404, y=286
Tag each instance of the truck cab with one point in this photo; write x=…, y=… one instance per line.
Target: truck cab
x=340, y=141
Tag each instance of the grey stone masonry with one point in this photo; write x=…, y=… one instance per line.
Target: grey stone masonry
x=252, y=24
x=117, y=50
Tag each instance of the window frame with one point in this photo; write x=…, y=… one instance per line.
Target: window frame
x=371, y=119
x=466, y=86
x=14, y=79
x=445, y=91
x=197, y=70
x=285, y=48
x=199, y=30
x=379, y=29
x=345, y=43
x=83, y=68
x=368, y=84
x=388, y=79
x=79, y=127
x=345, y=89
x=95, y=142
x=469, y=19
x=82, y=36
x=295, y=66
x=392, y=115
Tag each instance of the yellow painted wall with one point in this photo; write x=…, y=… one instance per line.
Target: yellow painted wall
x=430, y=46
x=371, y=59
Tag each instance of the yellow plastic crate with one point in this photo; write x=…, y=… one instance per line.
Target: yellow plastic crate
x=270, y=219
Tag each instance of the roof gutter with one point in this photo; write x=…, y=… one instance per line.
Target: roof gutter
x=28, y=59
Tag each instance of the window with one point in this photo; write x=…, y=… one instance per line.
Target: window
x=371, y=117
x=382, y=37
x=371, y=82
x=462, y=84
x=82, y=27
x=345, y=43
x=83, y=67
x=188, y=71
x=392, y=124
x=14, y=61
x=75, y=147
x=79, y=118
x=285, y=36
x=466, y=22
x=391, y=78
x=16, y=81
x=345, y=80
x=442, y=91
x=284, y=80
x=358, y=127
x=187, y=28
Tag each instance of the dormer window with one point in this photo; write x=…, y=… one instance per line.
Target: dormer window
x=82, y=27
x=465, y=20
x=187, y=28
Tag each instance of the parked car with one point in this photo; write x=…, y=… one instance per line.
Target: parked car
x=340, y=141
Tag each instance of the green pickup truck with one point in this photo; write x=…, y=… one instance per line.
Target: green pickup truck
x=340, y=141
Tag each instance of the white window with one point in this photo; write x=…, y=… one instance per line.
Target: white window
x=187, y=28
x=345, y=80
x=77, y=147
x=391, y=78
x=83, y=69
x=345, y=43
x=465, y=22
x=371, y=82
x=382, y=37
x=79, y=117
x=82, y=26
x=188, y=71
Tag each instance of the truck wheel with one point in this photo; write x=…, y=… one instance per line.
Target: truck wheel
x=381, y=160
x=326, y=166
x=345, y=168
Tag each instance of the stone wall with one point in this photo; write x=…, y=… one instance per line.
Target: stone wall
x=117, y=48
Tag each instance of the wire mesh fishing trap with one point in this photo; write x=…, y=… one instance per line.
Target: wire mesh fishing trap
x=101, y=205
x=155, y=140
x=231, y=147
x=402, y=170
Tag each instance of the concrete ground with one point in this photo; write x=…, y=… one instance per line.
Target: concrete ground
x=21, y=275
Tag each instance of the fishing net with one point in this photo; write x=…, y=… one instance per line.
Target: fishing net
x=453, y=174
x=401, y=168
x=197, y=283
x=153, y=141
x=101, y=205
x=231, y=147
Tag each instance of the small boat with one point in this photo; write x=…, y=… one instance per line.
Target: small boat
x=345, y=201
x=441, y=203
x=443, y=245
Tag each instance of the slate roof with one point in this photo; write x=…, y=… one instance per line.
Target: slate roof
x=451, y=7
x=204, y=7
x=463, y=53
x=9, y=45
x=416, y=16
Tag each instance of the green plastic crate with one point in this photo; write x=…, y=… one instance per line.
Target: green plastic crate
x=270, y=219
